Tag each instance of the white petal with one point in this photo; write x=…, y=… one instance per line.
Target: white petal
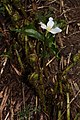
x=42, y=25
x=50, y=23
x=55, y=30
x=50, y=18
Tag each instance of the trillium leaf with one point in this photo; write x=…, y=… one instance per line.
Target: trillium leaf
x=33, y=33
x=30, y=32
x=15, y=30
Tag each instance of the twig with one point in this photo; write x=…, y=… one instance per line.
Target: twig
x=15, y=69
x=3, y=103
x=53, y=2
x=60, y=40
x=42, y=7
x=70, y=103
x=73, y=33
x=23, y=93
x=50, y=61
x=67, y=10
x=64, y=13
x=69, y=57
x=75, y=97
x=6, y=118
x=2, y=70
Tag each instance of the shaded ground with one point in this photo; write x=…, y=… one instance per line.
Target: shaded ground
x=14, y=94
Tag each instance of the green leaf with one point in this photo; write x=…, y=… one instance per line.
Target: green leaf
x=33, y=33
x=30, y=32
x=16, y=30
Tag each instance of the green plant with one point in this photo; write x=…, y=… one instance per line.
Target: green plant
x=47, y=38
x=28, y=112
x=46, y=46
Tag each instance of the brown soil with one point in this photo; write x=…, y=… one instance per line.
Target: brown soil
x=12, y=90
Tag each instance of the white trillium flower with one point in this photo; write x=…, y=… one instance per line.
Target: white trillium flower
x=50, y=26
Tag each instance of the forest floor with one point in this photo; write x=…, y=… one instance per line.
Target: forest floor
x=16, y=95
